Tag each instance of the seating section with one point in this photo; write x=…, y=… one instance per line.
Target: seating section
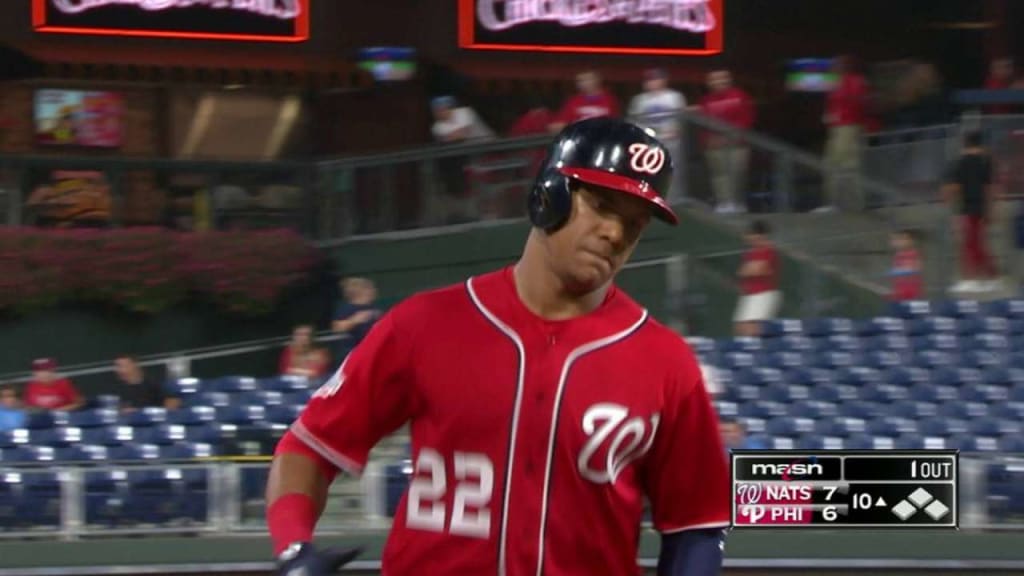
x=925, y=376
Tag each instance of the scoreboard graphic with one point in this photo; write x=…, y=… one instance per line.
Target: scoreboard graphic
x=845, y=489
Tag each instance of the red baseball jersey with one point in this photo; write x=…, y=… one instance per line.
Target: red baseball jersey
x=534, y=442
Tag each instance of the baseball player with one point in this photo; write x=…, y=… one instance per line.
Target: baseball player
x=544, y=404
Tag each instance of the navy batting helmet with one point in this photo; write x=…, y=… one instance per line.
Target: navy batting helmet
x=603, y=152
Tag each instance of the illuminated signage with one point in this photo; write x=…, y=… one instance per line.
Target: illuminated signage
x=669, y=27
x=248, y=20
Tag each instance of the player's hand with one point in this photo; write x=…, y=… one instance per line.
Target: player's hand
x=303, y=559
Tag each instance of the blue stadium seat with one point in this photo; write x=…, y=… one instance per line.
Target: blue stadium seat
x=781, y=443
x=261, y=398
x=786, y=393
x=809, y=376
x=31, y=454
x=757, y=376
x=754, y=426
x=815, y=442
x=842, y=427
x=1002, y=375
x=858, y=376
x=892, y=342
x=858, y=442
x=108, y=401
x=190, y=415
x=782, y=359
x=983, y=359
x=106, y=497
x=741, y=344
x=1017, y=393
x=1015, y=326
x=781, y=327
x=1013, y=308
x=233, y=384
x=931, y=324
x=135, y=452
x=881, y=325
x=188, y=451
x=891, y=426
x=147, y=416
x=963, y=410
x=833, y=393
x=933, y=393
x=883, y=359
x=794, y=343
x=1008, y=410
x=883, y=393
x=162, y=434
x=985, y=427
x=967, y=443
x=109, y=435
x=733, y=393
x=957, y=308
x=987, y=341
x=1011, y=444
x=936, y=341
x=735, y=360
x=910, y=441
x=286, y=414
x=59, y=437
x=860, y=409
x=763, y=409
x=932, y=358
x=910, y=309
x=957, y=376
x=816, y=327
x=699, y=344
x=92, y=418
x=45, y=419
x=82, y=453
x=39, y=502
x=986, y=393
x=834, y=359
x=942, y=426
x=242, y=415
x=182, y=387
x=215, y=399
x=17, y=437
x=1017, y=360
x=814, y=409
x=907, y=375
x=912, y=409
x=289, y=383
x=981, y=324
x=789, y=426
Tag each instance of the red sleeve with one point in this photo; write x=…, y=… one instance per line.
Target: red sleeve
x=29, y=395
x=286, y=360
x=69, y=392
x=369, y=397
x=568, y=111
x=687, y=474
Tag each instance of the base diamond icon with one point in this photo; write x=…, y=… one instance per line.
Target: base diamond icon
x=920, y=497
x=936, y=510
x=904, y=510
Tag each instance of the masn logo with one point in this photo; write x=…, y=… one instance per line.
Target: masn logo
x=786, y=470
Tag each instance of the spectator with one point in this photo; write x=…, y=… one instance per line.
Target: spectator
x=138, y=391
x=455, y=123
x=728, y=157
x=1000, y=77
x=968, y=189
x=907, y=283
x=48, y=392
x=758, y=276
x=845, y=116
x=658, y=108
x=734, y=435
x=355, y=315
x=301, y=357
x=534, y=121
x=12, y=416
x=590, y=101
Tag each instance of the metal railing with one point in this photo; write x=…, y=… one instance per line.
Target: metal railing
x=70, y=502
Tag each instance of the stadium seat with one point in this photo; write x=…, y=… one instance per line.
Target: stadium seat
x=809, y=376
x=286, y=414
x=182, y=387
x=699, y=344
x=757, y=376
x=782, y=359
x=781, y=443
x=814, y=409
x=931, y=324
x=742, y=393
x=815, y=442
x=983, y=359
x=883, y=393
x=190, y=415
x=988, y=341
x=16, y=437
x=910, y=441
x=162, y=434
x=147, y=416
x=910, y=309
x=834, y=359
x=858, y=376
x=858, y=442
x=31, y=454
x=842, y=427
x=109, y=435
x=754, y=426
x=763, y=409
x=39, y=504
x=956, y=376
x=289, y=383
x=932, y=358
x=262, y=398
x=1012, y=308
x=907, y=375
x=215, y=399
x=109, y=401
x=59, y=437
x=82, y=453
x=860, y=409
x=891, y=342
x=795, y=343
x=43, y=420
x=781, y=327
x=741, y=344
x=986, y=393
x=1012, y=445
x=818, y=327
x=736, y=360
x=880, y=325
x=1008, y=410
x=936, y=341
x=234, y=384
x=302, y=397
x=927, y=392
x=985, y=427
x=787, y=393
x=963, y=410
x=912, y=409
x=188, y=451
x=242, y=415
x=957, y=308
x=832, y=393
x=942, y=426
x=92, y=418
x=789, y=426
x=135, y=452
x=106, y=496
x=1017, y=393
x=883, y=359
x=891, y=426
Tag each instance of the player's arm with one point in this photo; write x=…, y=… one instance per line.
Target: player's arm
x=692, y=553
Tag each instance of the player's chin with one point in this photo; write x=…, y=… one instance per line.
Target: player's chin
x=590, y=277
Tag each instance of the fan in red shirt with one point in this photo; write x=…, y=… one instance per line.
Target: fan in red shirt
x=592, y=101
x=1000, y=77
x=727, y=157
x=906, y=268
x=301, y=357
x=845, y=117
x=759, y=282
x=48, y=392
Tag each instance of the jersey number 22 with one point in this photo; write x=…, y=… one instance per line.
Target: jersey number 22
x=473, y=486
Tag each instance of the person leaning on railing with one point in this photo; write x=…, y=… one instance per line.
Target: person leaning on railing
x=47, y=391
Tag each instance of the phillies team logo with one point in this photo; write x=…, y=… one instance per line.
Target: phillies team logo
x=614, y=441
x=645, y=158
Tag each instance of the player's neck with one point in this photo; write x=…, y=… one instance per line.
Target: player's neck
x=545, y=294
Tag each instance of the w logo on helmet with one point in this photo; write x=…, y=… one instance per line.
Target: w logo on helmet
x=645, y=158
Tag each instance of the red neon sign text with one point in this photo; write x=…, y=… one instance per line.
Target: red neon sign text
x=283, y=9
x=689, y=15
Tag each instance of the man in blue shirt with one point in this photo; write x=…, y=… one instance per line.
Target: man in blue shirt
x=734, y=435
x=355, y=314
x=12, y=416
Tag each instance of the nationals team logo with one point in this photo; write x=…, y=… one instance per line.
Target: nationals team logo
x=645, y=158
x=614, y=441
x=333, y=384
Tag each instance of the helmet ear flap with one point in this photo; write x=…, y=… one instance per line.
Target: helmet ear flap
x=550, y=200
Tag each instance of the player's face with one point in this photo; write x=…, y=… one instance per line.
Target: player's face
x=599, y=238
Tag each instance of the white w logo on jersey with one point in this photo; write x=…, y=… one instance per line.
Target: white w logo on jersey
x=626, y=441
x=333, y=384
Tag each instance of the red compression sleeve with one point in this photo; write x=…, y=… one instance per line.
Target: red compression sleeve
x=291, y=518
